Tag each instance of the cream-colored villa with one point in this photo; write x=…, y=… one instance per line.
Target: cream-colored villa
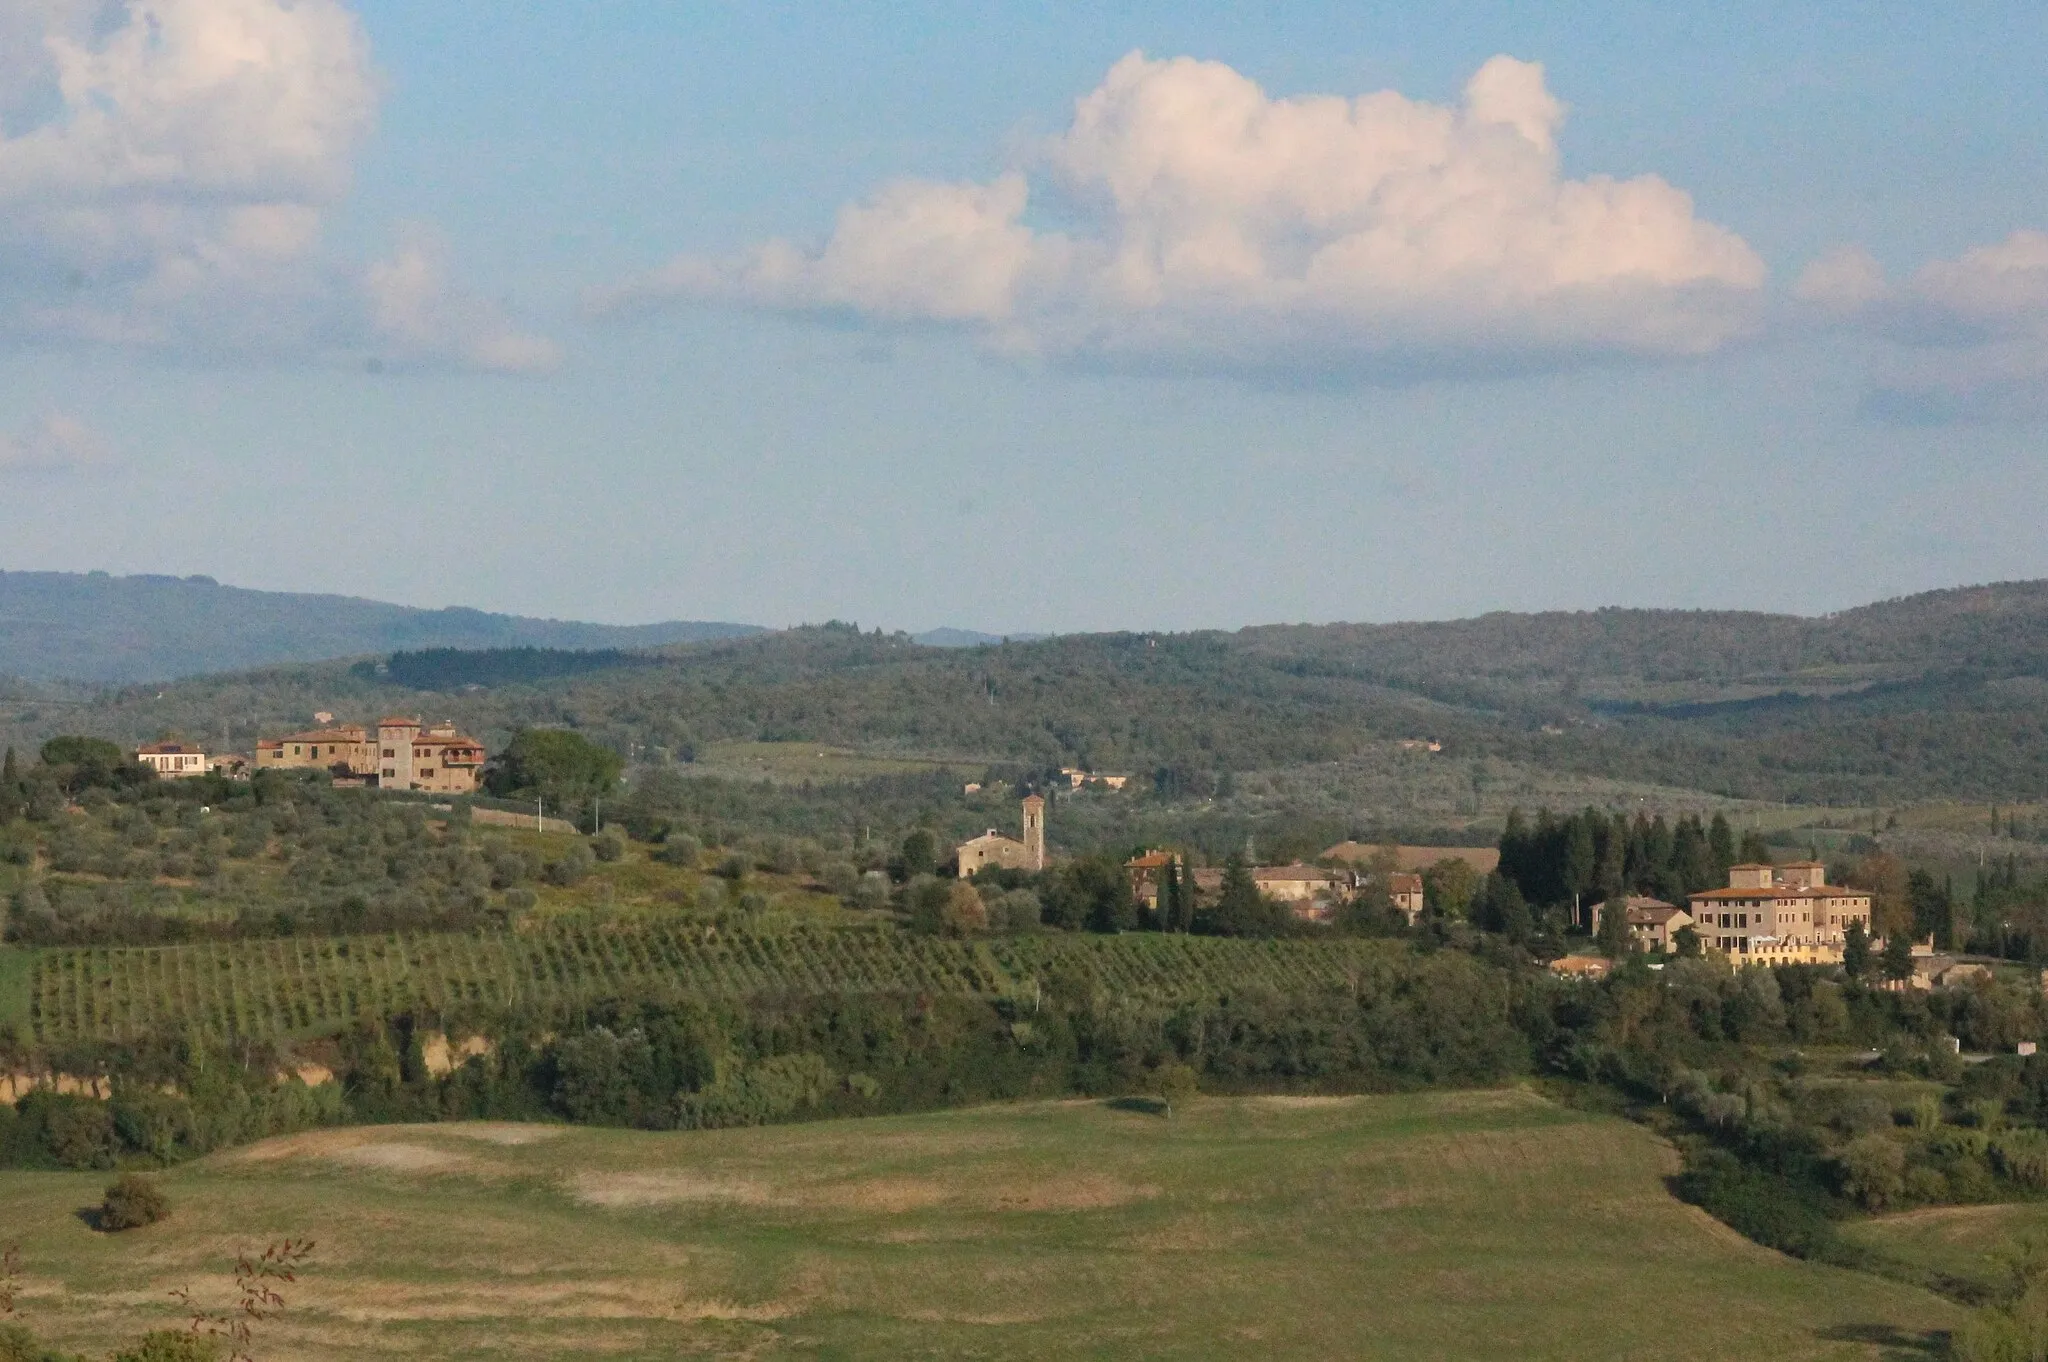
x=1779, y=915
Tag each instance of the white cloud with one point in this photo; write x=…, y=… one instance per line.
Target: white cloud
x=55, y=444
x=425, y=319
x=170, y=163
x=1966, y=337
x=164, y=175
x=1222, y=226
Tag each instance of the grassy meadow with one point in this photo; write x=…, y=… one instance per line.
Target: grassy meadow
x=1967, y=1248
x=1477, y=1224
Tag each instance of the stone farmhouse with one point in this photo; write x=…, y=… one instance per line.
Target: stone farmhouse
x=403, y=755
x=1779, y=915
x=172, y=760
x=994, y=849
x=1652, y=923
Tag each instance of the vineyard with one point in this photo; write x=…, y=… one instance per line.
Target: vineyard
x=296, y=987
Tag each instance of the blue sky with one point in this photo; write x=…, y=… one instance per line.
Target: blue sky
x=465, y=304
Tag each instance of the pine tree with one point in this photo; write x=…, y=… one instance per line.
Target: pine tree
x=8, y=775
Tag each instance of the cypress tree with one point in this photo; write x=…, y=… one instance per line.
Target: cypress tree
x=1721, y=843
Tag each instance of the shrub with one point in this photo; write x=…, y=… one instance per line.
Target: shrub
x=2022, y=1155
x=1873, y=1170
x=132, y=1202
x=609, y=845
x=572, y=868
x=681, y=849
x=169, y=1345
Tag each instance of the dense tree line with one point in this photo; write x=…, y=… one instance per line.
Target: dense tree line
x=1587, y=856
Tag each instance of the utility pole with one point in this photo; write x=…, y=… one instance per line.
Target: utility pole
x=538, y=824
x=596, y=814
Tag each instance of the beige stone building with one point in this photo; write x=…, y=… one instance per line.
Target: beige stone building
x=1652, y=923
x=1780, y=914
x=404, y=755
x=172, y=760
x=1404, y=891
x=994, y=849
x=318, y=749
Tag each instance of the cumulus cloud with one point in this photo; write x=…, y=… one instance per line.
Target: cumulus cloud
x=55, y=444
x=169, y=160
x=165, y=170
x=1221, y=226
x=1966, y=337
x=423, y=318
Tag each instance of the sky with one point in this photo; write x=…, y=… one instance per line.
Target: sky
x=1027, y=316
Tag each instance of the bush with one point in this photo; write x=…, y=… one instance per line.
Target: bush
x=169, y=1345
x=132, y=1202
x=680, y=849
x=571, y=869
x=609, y=845
x=1873, y=1170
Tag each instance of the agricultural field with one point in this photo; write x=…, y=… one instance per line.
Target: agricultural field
x=1476, y=1224
x=17, y=970
x=299, y=987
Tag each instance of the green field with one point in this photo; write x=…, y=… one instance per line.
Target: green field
x=1462, y=1225
x=284, y=988
x=1963, y=1247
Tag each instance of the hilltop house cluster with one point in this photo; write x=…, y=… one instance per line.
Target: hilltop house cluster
x=400, y=753
x=1312, y=892
x=1767, y=915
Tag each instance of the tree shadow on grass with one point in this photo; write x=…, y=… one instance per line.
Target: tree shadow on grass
x=1143, y=1106
x=91, y=1217
x=1895, y=1344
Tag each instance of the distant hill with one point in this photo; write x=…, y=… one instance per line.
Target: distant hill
x=1937, y=696
x=946, y=636
x=97, y=627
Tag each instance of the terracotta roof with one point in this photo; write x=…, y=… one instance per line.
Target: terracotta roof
x=1404, y=884
x=1297, y=871
x=397, y=721
x=328, y=735
x=1485, y=860
x=989, y=839
x=1781, y=891
x=1151, y=860
x=1804, y=865
x=1753, y=865
x=1656, y=916
x=167, y=749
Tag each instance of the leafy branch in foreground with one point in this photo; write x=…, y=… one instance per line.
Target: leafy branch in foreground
x=256, y=1283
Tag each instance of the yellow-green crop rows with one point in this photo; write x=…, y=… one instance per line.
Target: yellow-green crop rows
x=305, y=986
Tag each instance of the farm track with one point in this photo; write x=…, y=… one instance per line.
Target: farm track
x=271, y=990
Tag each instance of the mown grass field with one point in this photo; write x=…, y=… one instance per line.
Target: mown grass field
x=1467, y=1225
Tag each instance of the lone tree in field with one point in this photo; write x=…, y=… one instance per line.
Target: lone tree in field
x=132, y=1202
